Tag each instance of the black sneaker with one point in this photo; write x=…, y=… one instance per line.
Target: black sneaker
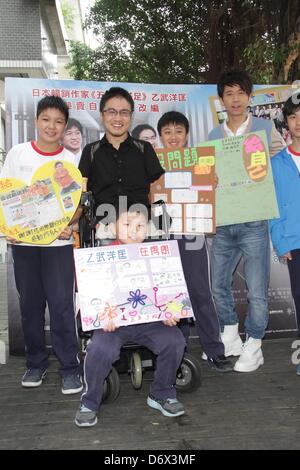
x=170, y=407
x=85, y=418
x=33, y=377
x=71, y=384
x=219, y=363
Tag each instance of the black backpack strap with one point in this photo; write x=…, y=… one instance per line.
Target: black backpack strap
x=94, y=149
x=140, y=144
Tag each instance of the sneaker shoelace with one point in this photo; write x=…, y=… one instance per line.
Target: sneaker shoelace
x=172, y=400
x=84, y=409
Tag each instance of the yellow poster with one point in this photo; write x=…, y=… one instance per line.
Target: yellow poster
x=38, y=213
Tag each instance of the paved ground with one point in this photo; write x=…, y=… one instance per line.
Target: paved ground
x=259, y=410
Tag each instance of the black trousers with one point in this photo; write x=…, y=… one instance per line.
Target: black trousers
x=195, y=263
x=104, y=349
x=294, y=272
x=46, y=275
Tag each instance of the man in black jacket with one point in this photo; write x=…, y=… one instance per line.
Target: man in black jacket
x=116, y=166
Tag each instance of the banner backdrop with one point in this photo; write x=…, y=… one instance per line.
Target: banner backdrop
x=201, y=106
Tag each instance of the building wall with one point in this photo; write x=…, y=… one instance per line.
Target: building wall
x=3, y=303
x=32, y=44
x=20, y=32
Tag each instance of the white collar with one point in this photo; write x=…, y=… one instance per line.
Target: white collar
x=240, y=130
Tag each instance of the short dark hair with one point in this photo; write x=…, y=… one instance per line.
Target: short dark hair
x=174, y=117
x=58, y=163
x=291, y=106
x=53, y=102
x=235, y=77
x=74, y=123
x=140, y=128
x=112, y=93
x=113, y=215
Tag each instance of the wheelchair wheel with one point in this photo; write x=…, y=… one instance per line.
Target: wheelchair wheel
x=136, y=372
x=111, y=387
x=188, y=377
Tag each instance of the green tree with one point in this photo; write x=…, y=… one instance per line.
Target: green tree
x=178, y=41
x=68, y=14
x=81, y=67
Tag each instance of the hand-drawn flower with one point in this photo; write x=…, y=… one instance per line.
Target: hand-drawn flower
x=136, y=298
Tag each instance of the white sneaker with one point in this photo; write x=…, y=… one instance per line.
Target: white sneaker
x=232, y=340
x=251, y=357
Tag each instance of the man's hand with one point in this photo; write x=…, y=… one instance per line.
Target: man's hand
x=171, y=322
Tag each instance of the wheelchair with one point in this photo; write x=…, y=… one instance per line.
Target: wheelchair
x=134, y=359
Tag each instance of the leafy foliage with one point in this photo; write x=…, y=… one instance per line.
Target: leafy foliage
x=179, y=41
x=68, y=14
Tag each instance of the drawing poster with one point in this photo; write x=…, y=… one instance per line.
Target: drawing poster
x=245, y=191
x=131, y=284
x=188, y=188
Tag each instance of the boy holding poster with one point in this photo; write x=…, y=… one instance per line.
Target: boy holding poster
x=45, y=273
x=249, y=240
x=160, y=337
x=285, y=231
x=173, y=129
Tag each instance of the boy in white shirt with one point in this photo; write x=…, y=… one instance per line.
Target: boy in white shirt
x=45, y=273
x=249, y=240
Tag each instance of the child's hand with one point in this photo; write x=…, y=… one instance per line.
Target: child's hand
x=66, y=233
x=287, y=256
x=110, y=326
x=13, y=241
x=171, y=322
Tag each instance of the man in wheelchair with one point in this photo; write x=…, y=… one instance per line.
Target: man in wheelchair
x=165, y=341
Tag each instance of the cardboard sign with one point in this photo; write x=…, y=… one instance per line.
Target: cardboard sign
x=245, y=191
x=38, y=213
x=131, y=284
x=188, y=188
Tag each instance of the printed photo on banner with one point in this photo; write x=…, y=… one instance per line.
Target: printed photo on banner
x=266, y=102
x=199, y=103
x=131, y=284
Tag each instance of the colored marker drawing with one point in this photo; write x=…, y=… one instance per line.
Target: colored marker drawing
x=156, y=295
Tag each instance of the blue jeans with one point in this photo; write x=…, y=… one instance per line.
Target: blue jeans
x=250, y=240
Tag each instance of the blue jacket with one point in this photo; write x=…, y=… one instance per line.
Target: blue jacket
x=285, y=231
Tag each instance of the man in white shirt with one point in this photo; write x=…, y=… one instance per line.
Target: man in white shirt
x=249, y=240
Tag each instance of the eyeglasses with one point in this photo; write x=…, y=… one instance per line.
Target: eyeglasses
x=112, y=112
